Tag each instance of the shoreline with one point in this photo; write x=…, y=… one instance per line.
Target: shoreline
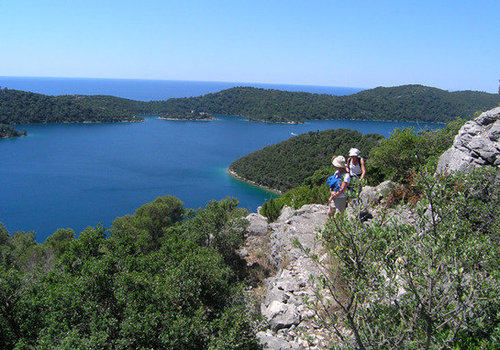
x=294, y=122
x=233, y=174
x=211, y=119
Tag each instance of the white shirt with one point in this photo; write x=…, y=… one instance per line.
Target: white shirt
x=345, y=178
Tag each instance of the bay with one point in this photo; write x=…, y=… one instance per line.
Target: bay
x=79, y=175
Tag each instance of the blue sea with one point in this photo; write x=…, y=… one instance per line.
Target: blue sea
x=147, y=90
x=79, y=175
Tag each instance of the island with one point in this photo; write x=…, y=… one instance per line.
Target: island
x=7, y=131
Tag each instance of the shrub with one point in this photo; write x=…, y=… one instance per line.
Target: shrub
x=432, y=285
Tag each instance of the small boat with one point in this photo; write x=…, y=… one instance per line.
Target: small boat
x=293, y=134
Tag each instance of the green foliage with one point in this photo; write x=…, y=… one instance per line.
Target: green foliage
x=60, y=241
x=404, y=152
x=287, y=164
x=164, y=279
x=19, y=107
x=7, y=131
x=428, y=286
x=221, y=226
x=312, y=191
x=406, y=103
x=271, y=209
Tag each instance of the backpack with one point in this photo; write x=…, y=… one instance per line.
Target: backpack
x=335, y=182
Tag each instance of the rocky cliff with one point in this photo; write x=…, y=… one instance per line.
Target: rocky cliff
x=476, y=144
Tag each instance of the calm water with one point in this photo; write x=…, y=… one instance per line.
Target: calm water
x=146, y=90
x=79, y=175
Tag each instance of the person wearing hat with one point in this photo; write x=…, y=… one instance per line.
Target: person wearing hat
x=338, y=184
x=356, y=164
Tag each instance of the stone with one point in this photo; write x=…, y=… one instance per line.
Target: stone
x=257, y=225
x=283, y=304
x=476, y=144
x=286, y=213
x=371, y=196
x=494, y=132
x=285, y=319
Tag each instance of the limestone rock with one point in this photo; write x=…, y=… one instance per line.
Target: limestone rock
x=257, y=225
x=476, y=144
x=371, y=196
x=289, y=318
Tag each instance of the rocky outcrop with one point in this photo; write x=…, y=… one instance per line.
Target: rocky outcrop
x=291, y=323
x=476, y=144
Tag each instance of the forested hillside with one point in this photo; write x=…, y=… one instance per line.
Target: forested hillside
x=161, y=278
x=20, y=107
x=285, y=165
x=402, y=103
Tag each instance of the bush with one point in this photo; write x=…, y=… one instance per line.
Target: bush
x=432, y=285
x=406, y=151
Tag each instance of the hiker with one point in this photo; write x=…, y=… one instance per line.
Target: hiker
x=338, y=184
x=356, y=168
x=356, y=164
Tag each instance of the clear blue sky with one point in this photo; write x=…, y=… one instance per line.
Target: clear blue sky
x=452, y=44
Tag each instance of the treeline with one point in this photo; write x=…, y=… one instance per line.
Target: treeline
x=20, y=107
x=401, y=103
x=162, y=278
x=7, y=131
x=285, y=165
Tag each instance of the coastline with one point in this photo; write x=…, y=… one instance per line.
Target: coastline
x=295, y=122
x=233, y=174
x=188, y=120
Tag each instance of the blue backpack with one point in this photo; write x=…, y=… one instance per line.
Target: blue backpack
x=334, y=182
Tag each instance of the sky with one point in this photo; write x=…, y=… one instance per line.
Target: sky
x=449, y=44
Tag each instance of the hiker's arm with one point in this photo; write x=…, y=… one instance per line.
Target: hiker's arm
x=331, y=195
x=343, y=188
x=363, y=170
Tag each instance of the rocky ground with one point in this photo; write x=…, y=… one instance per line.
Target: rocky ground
x=289, y=274
x=290, y=322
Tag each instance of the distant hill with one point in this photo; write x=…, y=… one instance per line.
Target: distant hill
x=401, y=103
x=285, y=165
x=20, y=107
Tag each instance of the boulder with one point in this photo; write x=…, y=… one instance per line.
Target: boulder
x=257, y=225
x=476, y=144
x=371, y=196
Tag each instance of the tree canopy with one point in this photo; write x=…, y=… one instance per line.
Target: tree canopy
x=162, y=278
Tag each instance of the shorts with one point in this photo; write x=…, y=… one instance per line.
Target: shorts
x=338, y=204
